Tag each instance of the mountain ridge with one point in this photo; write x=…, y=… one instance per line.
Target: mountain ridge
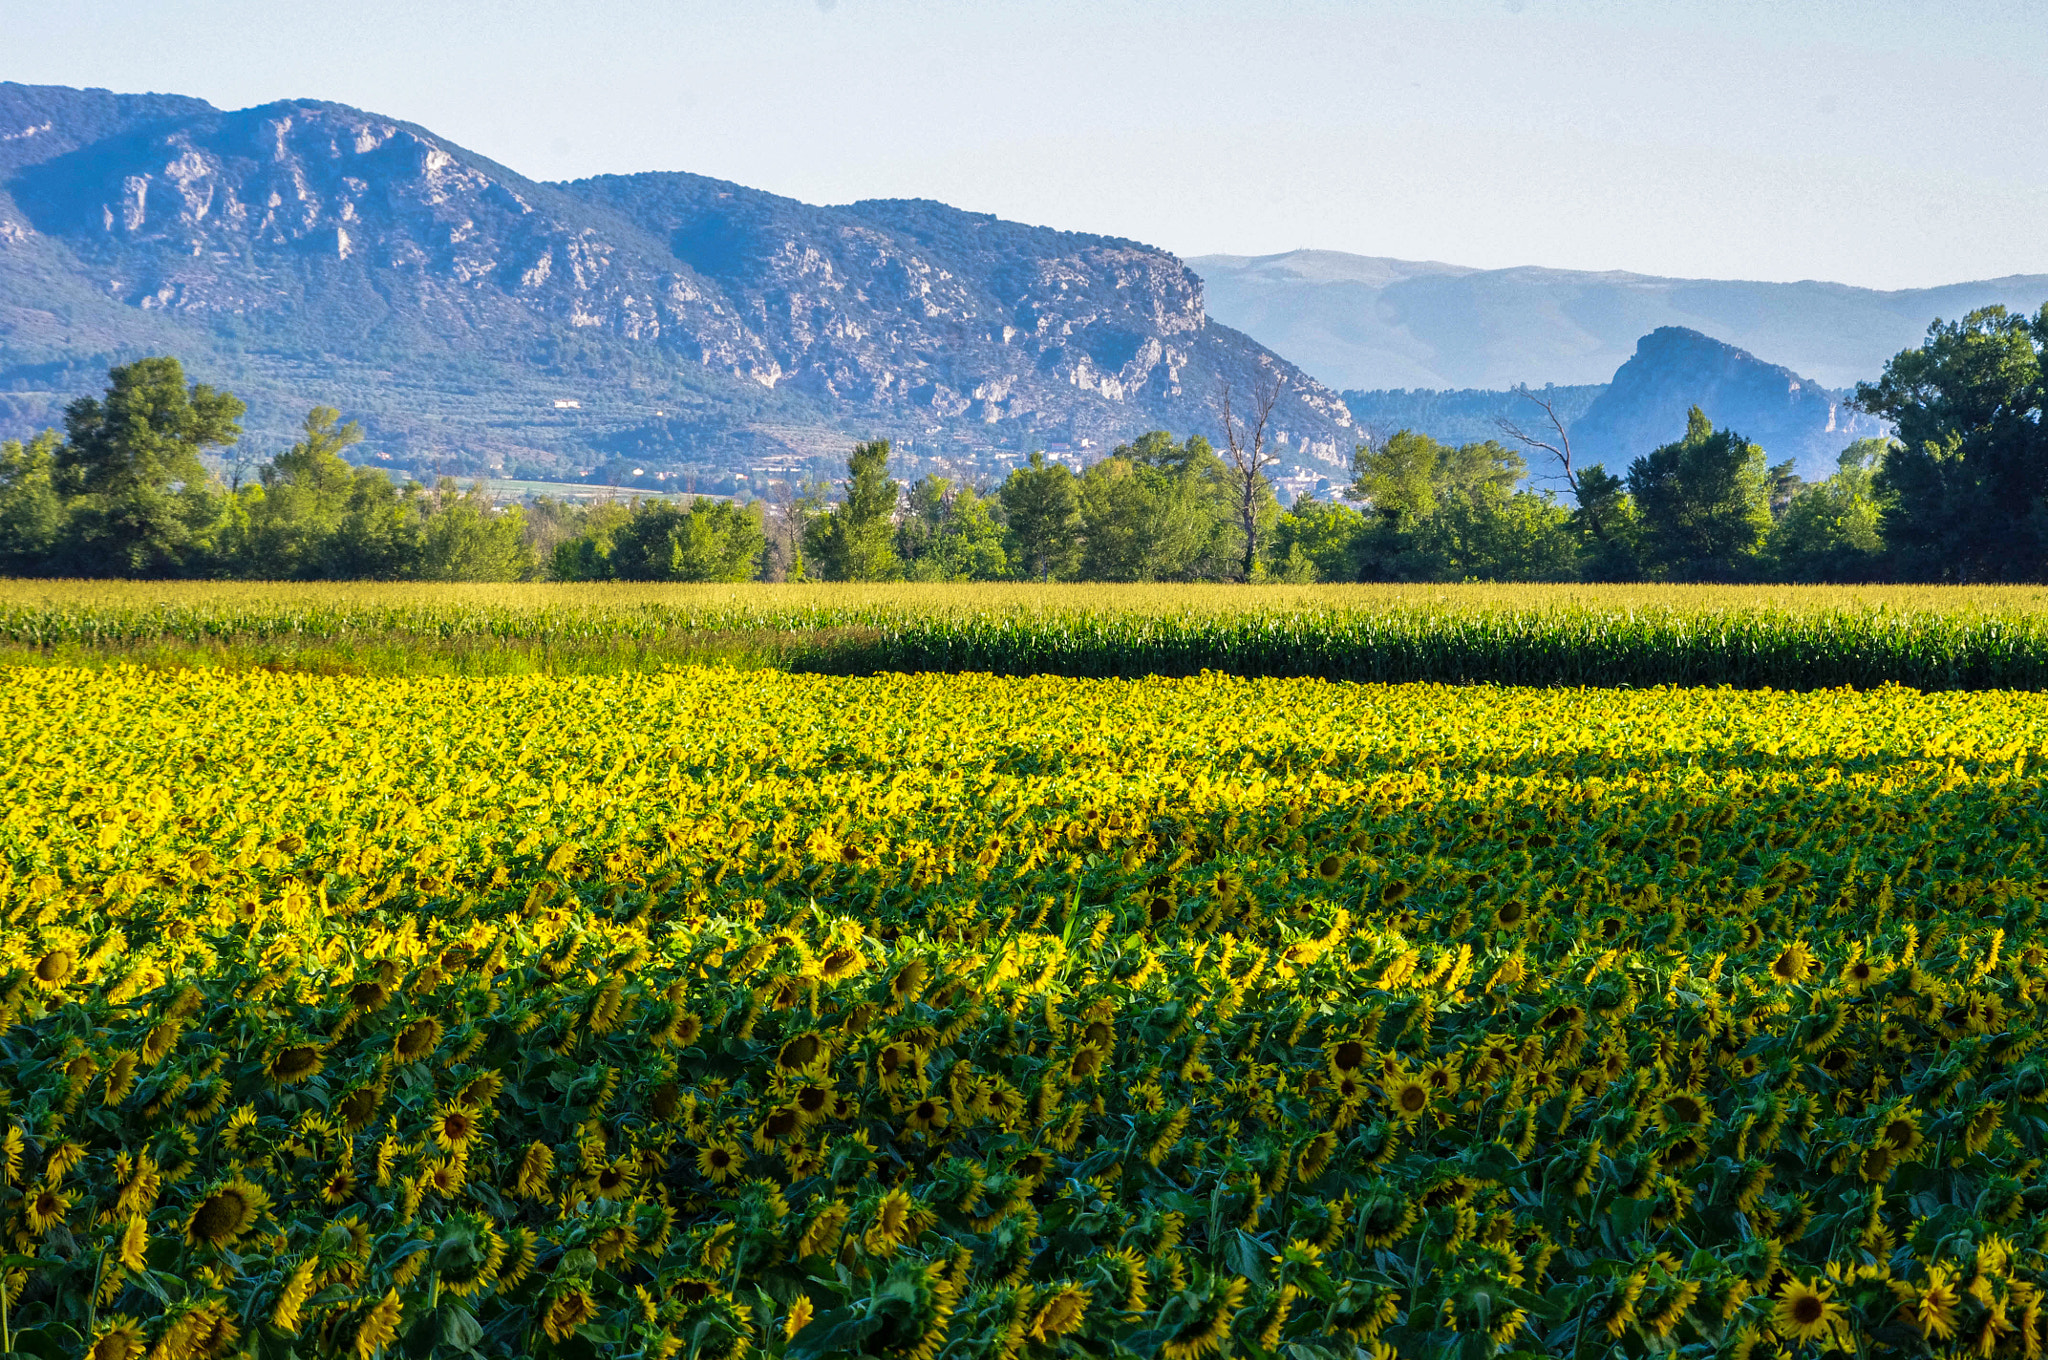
x=305, y=250
x=1379, y=323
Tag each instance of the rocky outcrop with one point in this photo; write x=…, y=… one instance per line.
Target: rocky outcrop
x=306, y=241
x=1675, y=369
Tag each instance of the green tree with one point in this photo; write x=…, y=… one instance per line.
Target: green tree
x=1041, y=505
x=467, y=538
x=1834, y=530
x=1966, y=493
x=1189, y=531
x=131, y=457
x=34, y=517
x=1704, y=504
x=1322, y=534
x=1118, y=505
x=949, y=534
x=1453, y=513
x=586, y=554
x=1607, y=525
x=292, y=515
x=856, y=541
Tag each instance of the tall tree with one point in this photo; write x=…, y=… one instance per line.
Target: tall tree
x=34, y=516
x=132, y=459
x=1833, y=530
x=1453, y=513
x=856, y=541
x=1704, y=502
x=300, y=500
x=948, y=534
x=1245, y=437
x=1966, y=493
x=1042, y=508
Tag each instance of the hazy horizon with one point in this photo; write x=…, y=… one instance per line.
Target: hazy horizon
x=1735, y=141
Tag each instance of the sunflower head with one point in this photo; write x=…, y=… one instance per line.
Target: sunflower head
x=417, y=1040
x=1793, y=964
x=1408, y=1098
x=226, y=1213
x=293, y=1064
x=54, y=969
x=1804, y=1312
x=120, y=1337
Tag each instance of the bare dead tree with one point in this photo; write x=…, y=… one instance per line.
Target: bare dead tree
x=1245, y=441
x=1557, y=442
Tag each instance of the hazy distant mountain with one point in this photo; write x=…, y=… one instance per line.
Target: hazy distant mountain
x=1645, y=405
x=1466, y=415
x=1363, y=322
x=471, y=317
x=1674, y=369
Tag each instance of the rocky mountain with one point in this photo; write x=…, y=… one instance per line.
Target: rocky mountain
x=1370, y=323
x=1674, y=369
x=476, y=320
x=1643, y=406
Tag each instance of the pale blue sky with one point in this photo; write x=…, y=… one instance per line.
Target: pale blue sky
x=1889, y=143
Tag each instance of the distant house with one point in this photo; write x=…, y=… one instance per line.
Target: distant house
x=568, y=404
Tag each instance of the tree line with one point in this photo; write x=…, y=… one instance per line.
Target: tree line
x=1960, y=493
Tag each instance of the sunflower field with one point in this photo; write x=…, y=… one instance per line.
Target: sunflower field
x=712, y=1013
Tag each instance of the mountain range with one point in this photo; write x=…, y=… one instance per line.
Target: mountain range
x=669, y=330
x=476, y=320
x=1363, y=322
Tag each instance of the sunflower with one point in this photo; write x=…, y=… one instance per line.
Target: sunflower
x=777, y=1126
x=569, y=1310
x=1383, y=1222
x=45, y=1207
x=926, y=1116
x=798, y=1054
x=1977, y=1131
x=1408, y=1097
x=369, y=996
x=133, y=1247
x=896, y=1222
x=54, y=969
x=1899, y=1130
x=291, y=1298
x=417, y=1040
x=838, y=964
x=1804, y=1312
x=684, y=1028
x=359, y=1106
x=1060, y=1314
x=120, y=1337
x=536, y=1167
x=1206, y=1332
x=292, y=1064
x=225, y=1213
x=616, y=1180
x=521, y=1253
x=379, y=1327
x=1794, y=964
x=1934, y=1310
x=444, y=1176
x=908, y=983
x=338, y=1188
x=813, y=1101
x=453, y=1126
x=720, y=1161
x=822, y=1235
